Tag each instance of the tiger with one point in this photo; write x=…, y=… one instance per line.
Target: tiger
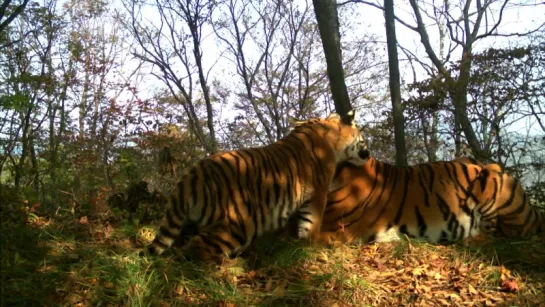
x=227, y=200
x=438, y=202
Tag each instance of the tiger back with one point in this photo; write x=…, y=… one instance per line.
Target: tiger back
x=438, y=202
x=229, y=199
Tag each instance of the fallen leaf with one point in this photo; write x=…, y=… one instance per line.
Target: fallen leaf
x=280, y=290
x=505, y=273
x=423, y=288
x=268, y=285
x=417, y=271
x=454, y=297
x=73, y=257
x=510, y=285
x=73, y=298
x=108, y=285
x=471, y=289
x=322, y=257
x=83, y=220
x=225, y=304
x=236, y=271
x=179, y=290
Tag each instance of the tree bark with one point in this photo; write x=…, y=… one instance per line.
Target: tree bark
x=395, y=92
x=16, y=12
x=328, y=24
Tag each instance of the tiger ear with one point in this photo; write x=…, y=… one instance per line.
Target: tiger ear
x=294, y=122
x=334, y=116
x=349, y=118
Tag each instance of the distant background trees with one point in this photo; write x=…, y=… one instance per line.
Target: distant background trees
x=97, y=95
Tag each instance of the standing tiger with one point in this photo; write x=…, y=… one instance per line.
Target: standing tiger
x=437, y=202
x=227, y=200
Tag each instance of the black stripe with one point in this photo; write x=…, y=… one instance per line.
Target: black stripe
x=314, y=157
x=402, y=204
x=422, y=227
x=462, y=232
x=483, y=176
x=443, y=206
x=390, y=195
x=453, y=225
x=431, y=173
x=175, y=204
x=158, y=242
x=206, y=203
x=241, y=239
x=226, y=243
x=465, y=171
x=170, y=219
x=449, y=173
x=427, y=191
x=211, y=244
x=366, y=201
x=444, y=238
x=165, y=232
x=509, y=201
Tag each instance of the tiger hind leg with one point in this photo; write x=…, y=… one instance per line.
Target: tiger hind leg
x=215, y=243
x=169, y=231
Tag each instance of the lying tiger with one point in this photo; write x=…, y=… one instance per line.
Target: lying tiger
x=226, y=201
x=438, y=202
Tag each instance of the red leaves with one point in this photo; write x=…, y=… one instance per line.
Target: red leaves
x=510, y=286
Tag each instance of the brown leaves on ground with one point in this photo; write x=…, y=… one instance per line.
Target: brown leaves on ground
x=439, y=275
x=379, y=274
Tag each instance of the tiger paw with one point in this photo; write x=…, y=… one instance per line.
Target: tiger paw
x=303, y=232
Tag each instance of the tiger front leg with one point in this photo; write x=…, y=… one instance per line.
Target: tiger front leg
x=310, y=221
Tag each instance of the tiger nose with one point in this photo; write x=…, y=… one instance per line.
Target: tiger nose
x=364, y=153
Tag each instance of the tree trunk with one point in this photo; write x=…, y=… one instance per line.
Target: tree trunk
x=25, y=139
x=328, y=24
x=83, y=105
x=34, y=167
x=194, y=28
x=395, y=92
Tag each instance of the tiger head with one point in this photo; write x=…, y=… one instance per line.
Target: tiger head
x=343, y=135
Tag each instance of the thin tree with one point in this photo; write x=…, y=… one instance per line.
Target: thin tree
x=328, y=24
x=395, y=92
x=7, y=15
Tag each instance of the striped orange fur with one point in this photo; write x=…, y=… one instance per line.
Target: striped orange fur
x=436, y=202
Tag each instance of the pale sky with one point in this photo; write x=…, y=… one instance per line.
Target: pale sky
x=370, y=19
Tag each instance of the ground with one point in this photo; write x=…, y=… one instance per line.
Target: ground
x=69, y=259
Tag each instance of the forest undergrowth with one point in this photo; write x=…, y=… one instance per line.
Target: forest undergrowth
x=70, y=257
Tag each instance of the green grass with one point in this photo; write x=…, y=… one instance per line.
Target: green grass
x=59, y=261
